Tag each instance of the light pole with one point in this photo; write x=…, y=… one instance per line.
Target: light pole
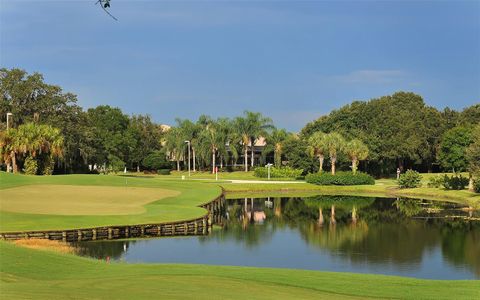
x=268, y=167
x=8, y=119
x=188, y=144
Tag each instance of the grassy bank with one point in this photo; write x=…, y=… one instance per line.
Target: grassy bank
x=154, y=200
x=27, y=273
x=384, y=188
x=74, y=201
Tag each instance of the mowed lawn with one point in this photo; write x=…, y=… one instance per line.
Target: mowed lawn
x=82, y=201
x=39, y=274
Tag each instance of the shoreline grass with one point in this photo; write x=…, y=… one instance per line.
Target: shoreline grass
x=43, y=274
x=192, y=194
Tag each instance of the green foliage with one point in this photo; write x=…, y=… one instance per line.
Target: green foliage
x=31, y=165
x=155, y=161
x=455, y=182
x=473, y=152
x=356, y=150
x=436, y=181
x=284, y=172
x=410, y=179
x=275, y=143
x=163, y=171
x=340, y=178
x=296, y=154
x=395, y=128
x=47, y=164
x=452, y=155
x=115, y=164
x=476, y=186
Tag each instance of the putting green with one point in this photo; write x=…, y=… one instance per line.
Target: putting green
x=80, y=200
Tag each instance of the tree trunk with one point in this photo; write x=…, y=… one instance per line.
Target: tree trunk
x=321, y=158
x=8, y=167
x=470, y=182
x=14, y=162
x=221, y=162
x=194, y=158
x=138, y=168
x=213, y=161
x=246, y=158
x=178, y=164
x=354, y=165
x=252, y=154
x=334, y=160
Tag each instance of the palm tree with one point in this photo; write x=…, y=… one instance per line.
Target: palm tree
x=275, y=142
x=249, y=128
x=226, y=132
x=30, y=140
x=189, y=132
x=8, y=149
x=356, y=151
x=211, y=137
x=317, y=148
x=334, y=143
x=175, y=144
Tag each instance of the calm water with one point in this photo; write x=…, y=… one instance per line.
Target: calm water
x=365, y=235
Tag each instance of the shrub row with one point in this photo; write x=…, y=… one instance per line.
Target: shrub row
x=454, y=182
x=340, y=178
x=284, y=172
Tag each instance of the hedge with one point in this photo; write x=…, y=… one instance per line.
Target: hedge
x=340, y=178
x=284, y=172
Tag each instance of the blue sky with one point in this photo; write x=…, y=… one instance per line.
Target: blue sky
x=291, y=60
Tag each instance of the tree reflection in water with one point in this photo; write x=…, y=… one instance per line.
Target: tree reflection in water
x=361, y=229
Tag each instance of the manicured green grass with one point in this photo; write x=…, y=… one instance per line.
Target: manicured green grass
x=181, y=207
x=38, y=274
x=174, y=208
x=80, y=200
x=382, y=188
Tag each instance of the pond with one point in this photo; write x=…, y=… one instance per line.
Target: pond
x=405, y=237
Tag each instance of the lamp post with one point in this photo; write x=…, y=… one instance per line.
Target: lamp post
x=9, y=115
x=269, y=165
x=188, y=143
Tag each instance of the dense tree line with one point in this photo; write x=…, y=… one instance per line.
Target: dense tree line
x=98, y=136
x=402, y=131
x=376, y=136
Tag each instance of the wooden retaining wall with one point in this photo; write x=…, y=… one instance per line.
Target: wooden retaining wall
x=198, y=226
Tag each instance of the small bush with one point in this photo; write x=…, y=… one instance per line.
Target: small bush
x=155, y=161
x=284, y=172
x=341, y=178
x=455, y=182
x=410, y=179
x=163, y=172
x=31, y=166
x=435, y=181
x=115, y=164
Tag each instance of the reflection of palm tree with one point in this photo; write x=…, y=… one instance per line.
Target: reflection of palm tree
x=332, y=215
x=277, y=202
x=354, y=215
x=320, y=216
